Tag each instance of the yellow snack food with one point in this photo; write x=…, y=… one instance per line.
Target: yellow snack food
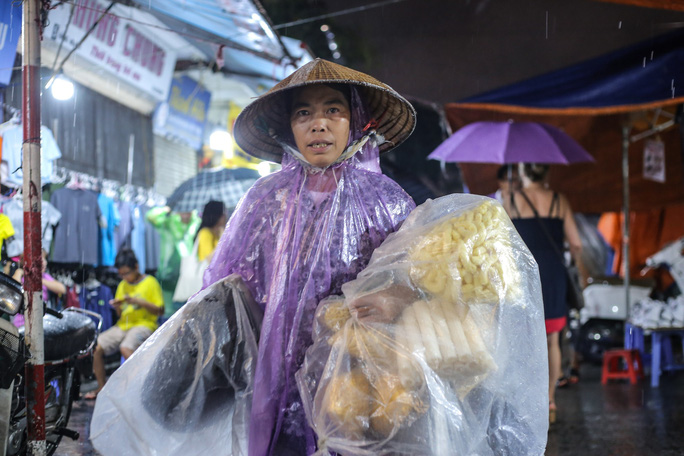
x=336, y=315
x=449, y=341
x=364, y=342
x=468, y=258
x=392, y=405
x=348, y=402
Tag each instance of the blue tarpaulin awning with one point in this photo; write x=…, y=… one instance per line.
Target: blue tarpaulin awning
x=648, y=73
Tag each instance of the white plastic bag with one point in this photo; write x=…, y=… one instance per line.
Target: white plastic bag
x=188, y=388
x=190, y=278
x=450, y=355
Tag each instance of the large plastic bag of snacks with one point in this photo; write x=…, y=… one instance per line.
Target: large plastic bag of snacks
x=438, y=347
x=188, y=388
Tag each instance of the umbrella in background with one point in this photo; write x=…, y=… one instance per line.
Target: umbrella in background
x=226, y=185
x=511, y=142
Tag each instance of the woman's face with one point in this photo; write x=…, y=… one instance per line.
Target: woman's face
x=319, y=118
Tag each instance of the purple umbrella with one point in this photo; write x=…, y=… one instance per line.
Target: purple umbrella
x=511, y=142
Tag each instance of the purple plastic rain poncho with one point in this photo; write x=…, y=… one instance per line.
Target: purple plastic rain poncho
x=295, y=238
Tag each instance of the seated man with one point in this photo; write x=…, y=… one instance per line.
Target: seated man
x=138, y=302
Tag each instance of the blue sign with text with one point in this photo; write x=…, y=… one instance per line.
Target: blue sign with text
x=10, y=29
x=184, y=115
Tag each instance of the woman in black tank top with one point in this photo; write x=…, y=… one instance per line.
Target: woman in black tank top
x=545, y=231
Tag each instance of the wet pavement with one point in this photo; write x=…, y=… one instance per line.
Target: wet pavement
x=618, y=419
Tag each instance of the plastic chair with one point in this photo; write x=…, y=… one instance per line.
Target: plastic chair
x=613, y=370
x=662, y=358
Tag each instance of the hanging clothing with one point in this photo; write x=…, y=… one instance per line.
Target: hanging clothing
x=97, y=300
x=77, y=235
x=49, y=218
x=108, y=225
x=123, y=233
x=6, y=229
x=152, y=243
x=12, y=140
x=176, y=241
x=650, y=231
x=137, y=237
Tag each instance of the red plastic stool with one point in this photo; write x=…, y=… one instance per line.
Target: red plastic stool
x=611, y=365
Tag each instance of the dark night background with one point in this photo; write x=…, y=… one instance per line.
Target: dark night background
x=445, y=50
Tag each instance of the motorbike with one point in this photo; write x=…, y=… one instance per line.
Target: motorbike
x=599, y=326
x=70, y=336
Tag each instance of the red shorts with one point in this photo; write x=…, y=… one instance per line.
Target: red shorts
x=555, y=324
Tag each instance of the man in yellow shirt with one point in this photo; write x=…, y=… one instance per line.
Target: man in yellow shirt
x=138, y=302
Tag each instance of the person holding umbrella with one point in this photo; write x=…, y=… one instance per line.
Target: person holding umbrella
x=299, y=234
x=545, y=221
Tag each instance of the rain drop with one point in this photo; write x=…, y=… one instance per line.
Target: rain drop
x=547, y=25
x=651, y=55
x=620, y=25
x=644, y=64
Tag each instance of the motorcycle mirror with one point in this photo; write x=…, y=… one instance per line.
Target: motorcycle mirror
x=11, y=295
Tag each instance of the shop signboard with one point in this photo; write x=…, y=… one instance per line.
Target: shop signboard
x=183, y=115
x=120, y=44
x=10, y=29
x=654, y=160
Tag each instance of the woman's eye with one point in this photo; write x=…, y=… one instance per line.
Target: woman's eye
x=334, y=110
x=301, y=112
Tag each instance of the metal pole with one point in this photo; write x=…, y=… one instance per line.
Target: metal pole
x=625, y=210
x=33, y=261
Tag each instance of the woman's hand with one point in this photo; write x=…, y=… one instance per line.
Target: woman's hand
x=383, y=306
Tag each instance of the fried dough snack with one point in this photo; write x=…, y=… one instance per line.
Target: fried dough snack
x=447, y=337
x=393, y=405
x=349, y=402
x=468, y=258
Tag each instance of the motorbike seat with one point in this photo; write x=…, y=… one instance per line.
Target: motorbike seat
x=66, y=336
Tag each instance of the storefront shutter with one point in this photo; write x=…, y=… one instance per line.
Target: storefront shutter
x=174, y=163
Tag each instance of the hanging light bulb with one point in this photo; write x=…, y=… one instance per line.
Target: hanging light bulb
x=62, y=88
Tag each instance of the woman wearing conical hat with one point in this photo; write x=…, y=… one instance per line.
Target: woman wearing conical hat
x=300, y=233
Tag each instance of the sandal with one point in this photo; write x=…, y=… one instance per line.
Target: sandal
x=563, y=382
x=552, y=412
x=574, y=376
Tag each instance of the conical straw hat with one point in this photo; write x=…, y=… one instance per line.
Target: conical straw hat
x=395, y=116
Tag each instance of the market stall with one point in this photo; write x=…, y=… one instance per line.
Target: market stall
x=622, y=107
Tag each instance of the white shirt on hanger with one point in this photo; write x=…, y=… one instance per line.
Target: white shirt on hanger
x=12, y=139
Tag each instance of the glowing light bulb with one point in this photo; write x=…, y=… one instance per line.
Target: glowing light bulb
x=62, y=89
x=220, y=140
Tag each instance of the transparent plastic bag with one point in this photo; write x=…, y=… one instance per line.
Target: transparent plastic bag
x=438, y=347
x=188, y=388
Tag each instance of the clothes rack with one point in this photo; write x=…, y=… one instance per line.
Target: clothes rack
x=111, y=188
